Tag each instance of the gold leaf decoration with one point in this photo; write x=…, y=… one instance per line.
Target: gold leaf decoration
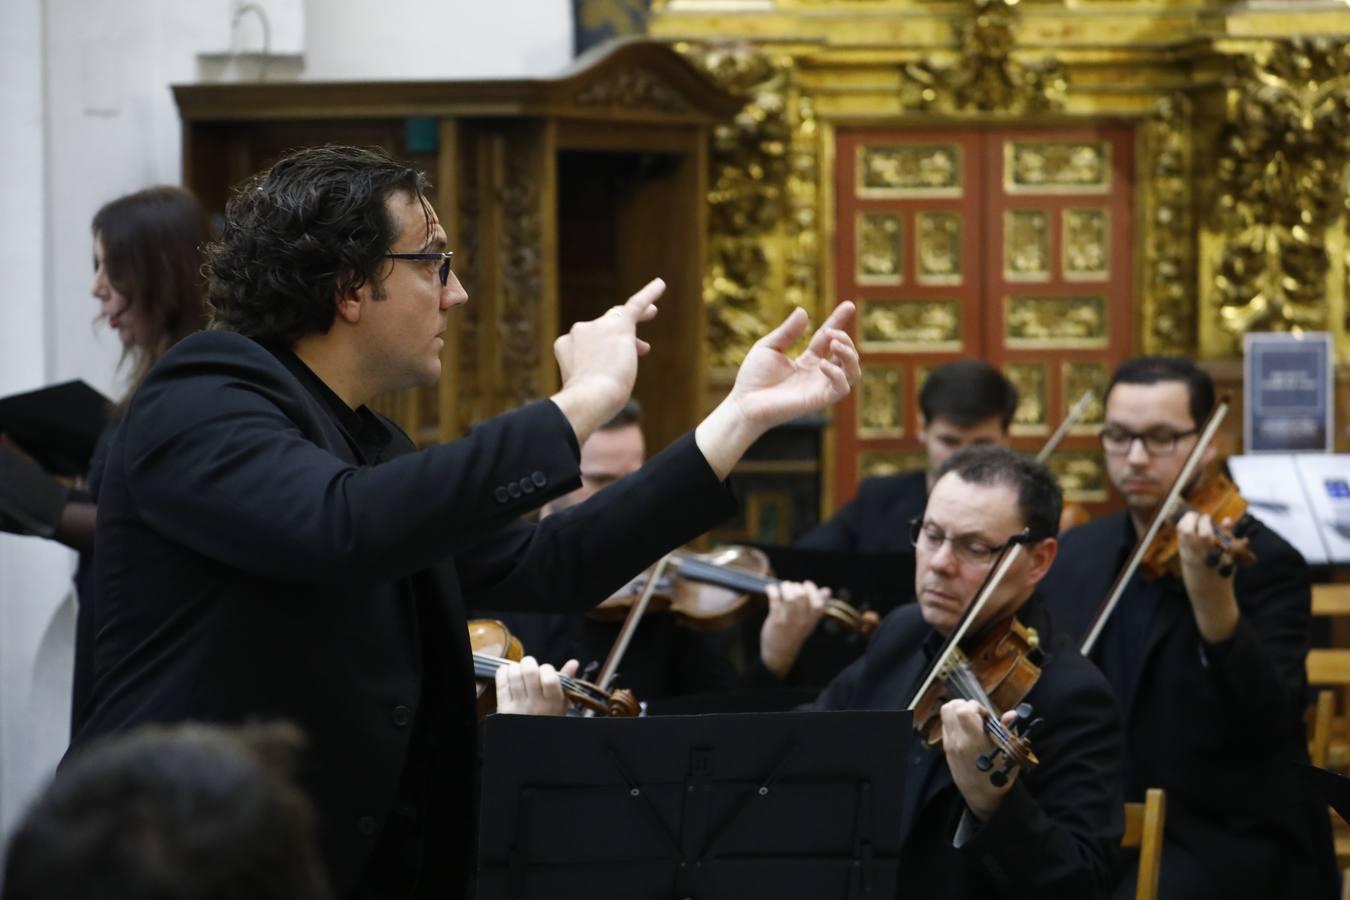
x=1281, y=181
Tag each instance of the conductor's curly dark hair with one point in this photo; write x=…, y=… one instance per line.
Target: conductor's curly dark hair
x=296, y=237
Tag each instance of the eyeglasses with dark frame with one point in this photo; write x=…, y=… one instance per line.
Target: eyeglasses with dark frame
x=1117, y=441
x=443, y=271
x=969, y=550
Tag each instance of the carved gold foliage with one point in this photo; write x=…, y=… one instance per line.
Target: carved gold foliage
x=987, y=77
x=1026, y=245
x=881, y=406
x=1081, y=474
x=911, y=325
x=758, y=173
x=938, y=250
x=878, y=463
x=1042, y=167
x=634, y=88
x=522, y=270
x=1086, y=244
x=1032, y=396
x=1055, y=322
x=1086, y=376
x=1169, y=256
x=879, y=248
x=1281, y=180
x=914, y=170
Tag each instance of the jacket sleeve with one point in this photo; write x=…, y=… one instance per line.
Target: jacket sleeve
x=1058, y=831
x=219, y=462
x=576, y=558
x=1258, y=677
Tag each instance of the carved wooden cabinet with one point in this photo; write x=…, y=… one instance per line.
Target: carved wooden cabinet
x=560, y=197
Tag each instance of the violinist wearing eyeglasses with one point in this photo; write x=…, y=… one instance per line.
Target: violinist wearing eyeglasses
x=969, y=829
x=1207, y=661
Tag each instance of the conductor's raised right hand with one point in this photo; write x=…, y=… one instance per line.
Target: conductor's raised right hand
x=598, y=361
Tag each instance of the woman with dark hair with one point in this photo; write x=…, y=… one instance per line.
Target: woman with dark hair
x=148, y=256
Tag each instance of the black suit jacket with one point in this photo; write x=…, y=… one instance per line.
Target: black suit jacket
x=1057, y=833
x=1213, y=724
x=253, y=564
x=877, y=519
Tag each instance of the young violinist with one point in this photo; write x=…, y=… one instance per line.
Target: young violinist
x=1206, y=662
x=961, y=404
x=1050, y=831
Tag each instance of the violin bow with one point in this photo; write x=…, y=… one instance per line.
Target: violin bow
x=1073, y=418
x=1183, y=478
x=991, y=583
x=630, y=624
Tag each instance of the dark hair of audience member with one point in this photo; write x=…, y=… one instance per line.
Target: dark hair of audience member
x=190, y=812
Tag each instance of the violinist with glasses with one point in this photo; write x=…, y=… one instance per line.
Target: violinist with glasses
x=1205, y=657
x=973, y=824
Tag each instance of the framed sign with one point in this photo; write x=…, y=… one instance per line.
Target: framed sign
x=1288, y=387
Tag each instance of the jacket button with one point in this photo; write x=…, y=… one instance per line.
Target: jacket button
x=401, y=715
x=527, y=485
x=539, y=479
x=513, y=489
x=501, y=495
x=366, y=825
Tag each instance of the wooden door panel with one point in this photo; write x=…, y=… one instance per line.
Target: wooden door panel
x=1012, y=245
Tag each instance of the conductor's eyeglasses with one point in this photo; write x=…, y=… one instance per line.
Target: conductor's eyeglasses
x=443, y=271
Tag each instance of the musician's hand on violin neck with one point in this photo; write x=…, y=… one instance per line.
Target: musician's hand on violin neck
x=1208, y=588
x=795, y=609
x=772, y=388
x=963, y=742
x=527, y=688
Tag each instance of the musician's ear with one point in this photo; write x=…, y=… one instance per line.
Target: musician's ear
x=1211, y=453
x=1042, y=555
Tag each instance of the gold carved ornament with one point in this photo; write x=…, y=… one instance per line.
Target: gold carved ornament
x=987, y=77
x=1281, y=181
x=752, y=157
x=1169, y=258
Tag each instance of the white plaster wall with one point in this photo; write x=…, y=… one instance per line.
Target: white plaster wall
x=84, y=95
x=396, y=39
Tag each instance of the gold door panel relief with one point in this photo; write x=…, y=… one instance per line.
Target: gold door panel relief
x=880, y=243
x=1036, y=323
x=937, y=251
x=1081, y=473
x=1086, y=242
x=1026, y=245
x=887, y=462
x=909, y=171
x=1086, y=376
x=881, y=403
x=1031, y=415
x=1056, y=167
x=910, y=325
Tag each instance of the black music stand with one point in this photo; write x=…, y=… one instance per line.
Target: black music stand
x=783, y=805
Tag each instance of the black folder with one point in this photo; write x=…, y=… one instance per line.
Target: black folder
x=59, y=426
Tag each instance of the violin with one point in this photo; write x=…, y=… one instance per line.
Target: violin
x=494, y=646
x=999, y=669
x=1158, y=551
x=1217, y=498
x=711, y=591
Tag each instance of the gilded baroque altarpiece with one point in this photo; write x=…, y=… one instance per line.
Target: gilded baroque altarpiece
x=1237, y=155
